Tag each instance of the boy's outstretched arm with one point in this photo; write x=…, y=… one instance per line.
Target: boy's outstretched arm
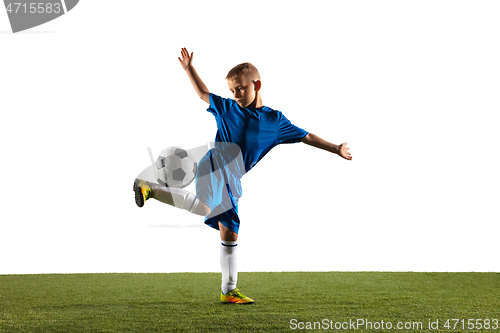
x=200, y=87
x=315, y=141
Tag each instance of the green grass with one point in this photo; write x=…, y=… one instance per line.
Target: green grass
x=190, y=301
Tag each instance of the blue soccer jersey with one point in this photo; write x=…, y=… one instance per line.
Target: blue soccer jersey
x=254, y=131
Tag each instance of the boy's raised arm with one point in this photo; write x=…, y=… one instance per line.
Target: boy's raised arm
x=199, y=86
x=315, y=141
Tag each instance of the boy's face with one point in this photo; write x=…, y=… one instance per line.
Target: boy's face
x=244, y=90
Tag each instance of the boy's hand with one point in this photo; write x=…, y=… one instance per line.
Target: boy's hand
x=186, y=58
x=344, y=151
x=199, y=86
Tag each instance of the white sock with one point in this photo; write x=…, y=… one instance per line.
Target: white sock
x=177, y=197
x=228, y=259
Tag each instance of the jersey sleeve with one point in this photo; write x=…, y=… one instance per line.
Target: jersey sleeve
x=288, y=132
x=218, y=105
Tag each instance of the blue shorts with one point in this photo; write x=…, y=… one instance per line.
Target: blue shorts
x=218, y=185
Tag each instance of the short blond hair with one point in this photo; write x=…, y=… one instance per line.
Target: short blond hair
x=245, y=69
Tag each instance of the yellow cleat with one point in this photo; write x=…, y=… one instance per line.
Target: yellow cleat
x=142, y=192
x=234, y=296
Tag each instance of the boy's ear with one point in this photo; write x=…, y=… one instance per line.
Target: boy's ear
x=257, y=85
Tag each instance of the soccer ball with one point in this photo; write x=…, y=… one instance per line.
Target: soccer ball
x=176, y=167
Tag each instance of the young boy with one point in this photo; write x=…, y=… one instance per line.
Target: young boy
x=246, y=131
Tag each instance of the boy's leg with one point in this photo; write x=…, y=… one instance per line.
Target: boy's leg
x=228, y=262
x=176, y=197
x=228, y=258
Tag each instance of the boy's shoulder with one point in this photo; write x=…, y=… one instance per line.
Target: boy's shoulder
x=229, y=103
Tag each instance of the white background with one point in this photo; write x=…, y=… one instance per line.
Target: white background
x=412, y=87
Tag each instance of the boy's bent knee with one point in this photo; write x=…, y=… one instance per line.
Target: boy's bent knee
x=202, y=209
